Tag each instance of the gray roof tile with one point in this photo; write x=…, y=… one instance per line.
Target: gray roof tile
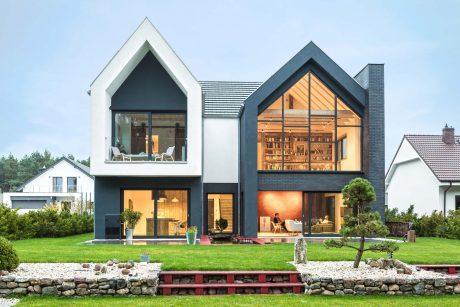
x=443, y=159
x=226, y=98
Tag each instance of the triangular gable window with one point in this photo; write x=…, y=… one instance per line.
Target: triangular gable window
x=309, y=128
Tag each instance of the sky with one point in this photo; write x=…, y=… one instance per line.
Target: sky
x=51, y=51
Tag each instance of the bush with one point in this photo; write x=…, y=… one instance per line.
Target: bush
x=48, y=222
x=430, y=225
x=453, y=225
x=8, y=258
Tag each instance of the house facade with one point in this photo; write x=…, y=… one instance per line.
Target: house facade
x=425, y=172
x=65, y=180
x=186, y=152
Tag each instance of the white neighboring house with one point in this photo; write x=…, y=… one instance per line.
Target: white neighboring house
x=425, y=172
x=65, y=180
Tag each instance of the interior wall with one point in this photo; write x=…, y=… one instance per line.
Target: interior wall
x=353, y=160
x=287, y=204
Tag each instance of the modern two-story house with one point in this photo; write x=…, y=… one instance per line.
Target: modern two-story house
x=185, y=152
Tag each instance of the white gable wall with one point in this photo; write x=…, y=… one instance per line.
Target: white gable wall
x=44, y=182
x=145, y=38
x=413, y=184
x=221, y=150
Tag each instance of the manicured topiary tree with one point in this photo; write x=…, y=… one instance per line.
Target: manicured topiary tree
x=358, y=194
x=8, y=258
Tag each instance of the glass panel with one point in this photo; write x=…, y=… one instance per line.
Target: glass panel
x=131, y=130
x=141, y=200
x=322, y=98
x=322, y=143
x=168, y=137
x=71, y=184
x=296, y=103
x=296, y=148
x=327, y=212
x=270, y=146
x=279, y=212
x=305, y=213
x=220, y=206
x=345, y=116
x=57, y=184
x=273, y=112
x=349, y=148
x=172, y=212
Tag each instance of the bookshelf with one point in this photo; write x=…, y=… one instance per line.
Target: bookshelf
x=296, y=151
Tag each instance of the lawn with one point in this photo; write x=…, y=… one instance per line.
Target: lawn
x=222, y=257
x=244, y=300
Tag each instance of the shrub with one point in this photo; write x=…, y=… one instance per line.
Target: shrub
x=431, y=225
x=8, y=258
x=48, y=222
x=453, y=225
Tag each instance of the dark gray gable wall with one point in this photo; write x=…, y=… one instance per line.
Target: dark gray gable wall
x=149, y=87
x=310, y=58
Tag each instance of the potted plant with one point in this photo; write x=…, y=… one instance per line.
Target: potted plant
x=130, y=218
x=221, y=224
x=145, y=257
x=191, y=235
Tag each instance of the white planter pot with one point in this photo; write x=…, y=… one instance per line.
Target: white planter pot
x=129, y=236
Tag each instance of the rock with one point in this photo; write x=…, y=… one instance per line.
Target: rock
x=104, y=287
x=5, y=291
x=82, y=286
x=37, y=289
x=330, y=287
x=97, y=267
x=125, y=271
x=128, y=266
x=400, y=271
x=368, y=282
x=115, y=261
x=21, y=279
x=136, y=290
x=339, y=292
x=109, y=263
x=405, y=288
x=68, y=292
x=20, y=291
x=327, y=292
x=85, y=265
x=372, y=290
x=360, y=288
x=439, y=282
x=348, y=284
x=104, y=269
x=121, y=265
x=49, y=291
x=457, y=289
x=148, y=290
x=348, y=291
x=384, y=288
x=300, y=250
x=315, y=291
x=123, y=291
x=11, y=284
x=374, y=264
x=121, y=283
x=419, y=288
x=68, y=285
x=3, y=273
x=81, y=291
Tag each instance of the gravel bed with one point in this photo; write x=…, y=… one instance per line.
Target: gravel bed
x=7, y=302
x=71, y=270
x=345, y=270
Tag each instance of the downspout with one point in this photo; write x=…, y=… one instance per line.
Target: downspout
x=445, y=193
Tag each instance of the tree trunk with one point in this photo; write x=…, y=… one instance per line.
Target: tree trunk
x=360, y=253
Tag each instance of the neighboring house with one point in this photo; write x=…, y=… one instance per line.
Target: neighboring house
x=425, y=172
x=65, y=180
x=185, y=152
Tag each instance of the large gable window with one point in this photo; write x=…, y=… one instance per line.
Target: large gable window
x=309, y=128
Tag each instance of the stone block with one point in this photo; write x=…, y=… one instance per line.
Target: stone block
x=81, y=291
x=11, y=284
x=50, y=291
x=300, y=250
x=20, y=291
x=70, y=292
x=67, y=285
x=393, y=287
x=123, y=291
x=327, y=292
x=439, y=282
x=45, y=282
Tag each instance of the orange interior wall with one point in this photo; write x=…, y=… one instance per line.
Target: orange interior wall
x=287, y=204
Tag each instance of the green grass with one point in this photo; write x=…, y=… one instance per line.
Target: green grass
x=222, y=257
x=243, y=300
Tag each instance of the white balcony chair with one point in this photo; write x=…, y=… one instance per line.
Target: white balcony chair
x=118, y=156
x=169, y=154
x=293, y=227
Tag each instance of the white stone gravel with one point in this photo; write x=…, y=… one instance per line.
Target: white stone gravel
x=345, y=270
x=71, y=270
x=7, y=302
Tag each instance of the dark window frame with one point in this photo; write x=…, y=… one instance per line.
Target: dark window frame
x=150, y=125
x=56, y=187
x=457, y=202
x=74, y=190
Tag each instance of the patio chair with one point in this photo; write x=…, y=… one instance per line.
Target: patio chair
x=119, y=156
x=276, y=227
x=166, y=155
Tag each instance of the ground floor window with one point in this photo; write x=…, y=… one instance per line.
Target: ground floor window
x=291, y=212
x=164, y=212
x=220, y=213
x=457, y=202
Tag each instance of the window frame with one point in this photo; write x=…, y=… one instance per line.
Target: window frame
x=75, y=186
x=336, y=125
x=55, y=185
x=149, y=129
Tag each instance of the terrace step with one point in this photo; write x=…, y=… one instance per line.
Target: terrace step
x=229, y=282
x=451, y=269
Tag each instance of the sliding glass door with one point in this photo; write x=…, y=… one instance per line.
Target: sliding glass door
x=323, y=212
x=164, y=212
